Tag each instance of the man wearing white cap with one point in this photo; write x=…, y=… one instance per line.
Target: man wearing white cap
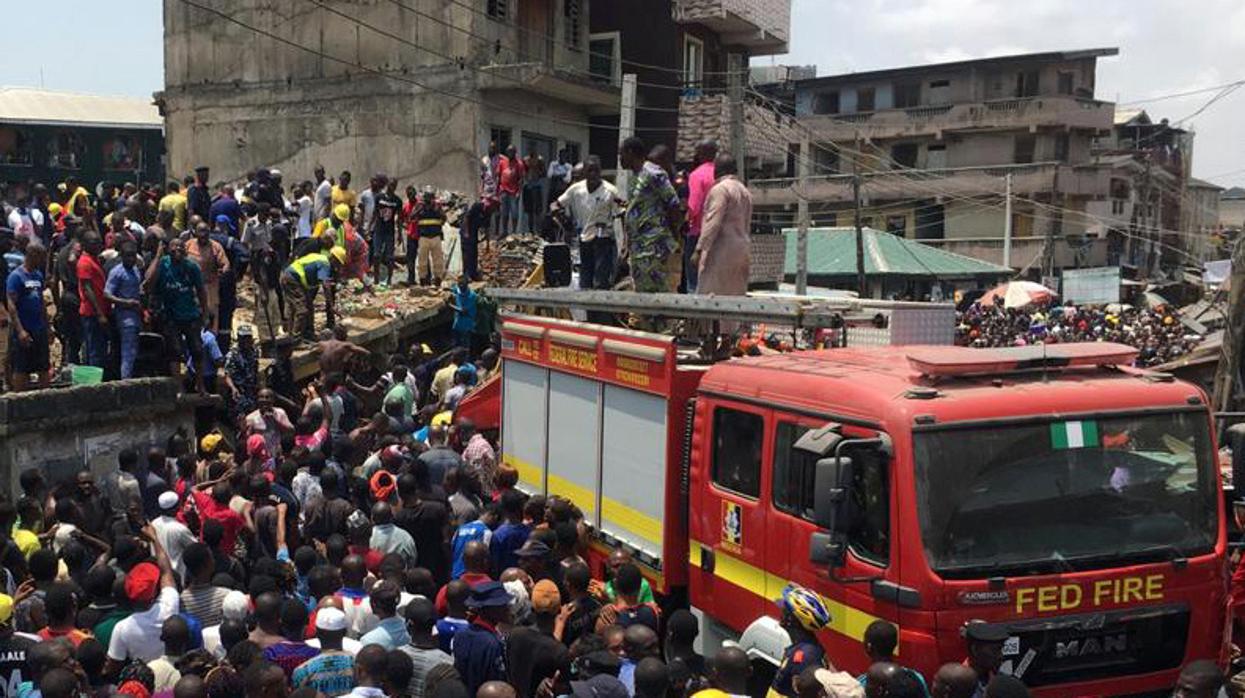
x=332, y=671
x=173, y=535
x=235, y=607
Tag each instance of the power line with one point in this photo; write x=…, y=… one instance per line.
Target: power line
x=1175, y=95
x=402, y=78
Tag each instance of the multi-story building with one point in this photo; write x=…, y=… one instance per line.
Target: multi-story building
x=414, y=88
x=683, y=53
x=934, y=146
x=1232, y=209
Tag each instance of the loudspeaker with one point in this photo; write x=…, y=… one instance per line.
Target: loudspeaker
x=557, y=259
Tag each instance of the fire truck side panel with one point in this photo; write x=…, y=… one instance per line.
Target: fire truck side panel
x=524, y=418
x=574, y=456
x=633, y=460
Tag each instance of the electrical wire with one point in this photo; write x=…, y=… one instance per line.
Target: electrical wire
x=402, y=78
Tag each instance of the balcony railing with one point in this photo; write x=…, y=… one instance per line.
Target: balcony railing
x=1069, y=112
x=1027, y=179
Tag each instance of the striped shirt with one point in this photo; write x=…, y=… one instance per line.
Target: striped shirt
x=424, y=661
x=204, y=603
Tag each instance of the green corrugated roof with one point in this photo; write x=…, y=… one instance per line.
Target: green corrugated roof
x=832, y=252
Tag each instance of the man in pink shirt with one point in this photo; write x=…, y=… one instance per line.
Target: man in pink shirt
x=698, y=185
x=512, y=174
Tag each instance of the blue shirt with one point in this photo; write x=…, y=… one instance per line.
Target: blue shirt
x=13, y=260
x=390, y=633
x=27, y=286
x=178, y=288
x=225, y=206
x=479, y=656
x=472, y=530
x=211, y=348
x=127, y=284
x=508, y=538
x=465, y=318
x=446, y=629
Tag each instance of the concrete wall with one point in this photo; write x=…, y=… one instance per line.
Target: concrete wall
x=63, y=431
x=1232, y=213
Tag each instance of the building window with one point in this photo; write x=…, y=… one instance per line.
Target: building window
x=605, y=57
x=693, y=61
x=501, y=136
x=897, y=225
x=571, y=12
x=737, y=451
x=825, y=158
x=904, y=154
x=1024, y=146
x=572, y=152
x=1117, y=207
x=826, y=103
x=497, y=8
x=865, y=99
x=1061, y=147
x=1065, y=83
x=15, y=146
x=935, y=157
x=65, y=151
x=1027, y=83
x=940, y=92
x=907, y=94
x=123, y=153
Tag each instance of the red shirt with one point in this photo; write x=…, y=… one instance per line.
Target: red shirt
x=408, y=215
x=230, y=519
x=90, y=272
x=74, y=635
x=471, y=579
x=512, y=173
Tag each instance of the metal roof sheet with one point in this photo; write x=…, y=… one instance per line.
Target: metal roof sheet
x=832, y=252
x=28, y=105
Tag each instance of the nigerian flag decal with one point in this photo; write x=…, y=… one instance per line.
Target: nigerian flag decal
x=1073, y=434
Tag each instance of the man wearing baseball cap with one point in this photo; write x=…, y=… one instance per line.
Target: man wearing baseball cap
x=479, y=651
x=152, y=593
x=173, y=535
x=332, y=671
x=537, y=653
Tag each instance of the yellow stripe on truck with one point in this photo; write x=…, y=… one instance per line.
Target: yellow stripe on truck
x=628, y=518
x=844, y=620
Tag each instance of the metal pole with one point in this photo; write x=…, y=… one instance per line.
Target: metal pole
x=1007, y=225
x=737, y=67
x=861, y=284
x=626, y=128
x=801, y=239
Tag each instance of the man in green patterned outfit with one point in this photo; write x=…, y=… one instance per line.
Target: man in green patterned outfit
x=650, y=219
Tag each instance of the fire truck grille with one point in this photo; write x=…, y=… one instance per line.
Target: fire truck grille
x=1097, y=646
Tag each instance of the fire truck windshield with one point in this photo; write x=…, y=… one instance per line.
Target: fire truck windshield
x=1055, y=496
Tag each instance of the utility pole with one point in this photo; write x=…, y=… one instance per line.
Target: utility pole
x=626, y=129
x=862, y=286
x=1007, y=225
x=1048, y=251
x=1228, y=372
x=801, y=237
x=736, y=77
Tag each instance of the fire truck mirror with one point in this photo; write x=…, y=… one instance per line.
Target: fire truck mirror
x=831, y=500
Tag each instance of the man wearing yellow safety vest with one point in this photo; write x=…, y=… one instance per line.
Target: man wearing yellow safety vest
x=343, y=234
x=300, y=282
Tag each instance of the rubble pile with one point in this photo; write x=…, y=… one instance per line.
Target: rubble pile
x=353, y=302
x=508, y=263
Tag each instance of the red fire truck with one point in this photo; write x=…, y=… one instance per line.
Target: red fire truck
x=1051, y=490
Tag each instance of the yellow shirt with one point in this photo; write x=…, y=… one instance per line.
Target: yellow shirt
x=443, y=380
x=177, y=204
x=26, y=541
x=325, y=227
x=345, y=196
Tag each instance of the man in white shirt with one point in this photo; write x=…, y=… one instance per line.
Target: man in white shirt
x=324, y=194
x=173, y=535
x=593, y=204
x=305, y=207
x=25, y=221
x=152, y=593
x=235, y=607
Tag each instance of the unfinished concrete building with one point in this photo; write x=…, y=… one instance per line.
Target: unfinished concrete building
x=934, y=144
x=412, y=88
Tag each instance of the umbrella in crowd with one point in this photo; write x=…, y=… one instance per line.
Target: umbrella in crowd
x=1018, y=294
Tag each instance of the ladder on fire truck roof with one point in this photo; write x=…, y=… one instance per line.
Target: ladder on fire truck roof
x=793, y=311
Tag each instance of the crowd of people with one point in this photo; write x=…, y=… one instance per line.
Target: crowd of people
x=1157, y=332
x=172, y=259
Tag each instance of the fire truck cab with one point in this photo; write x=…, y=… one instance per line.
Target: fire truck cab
x=1053, y=491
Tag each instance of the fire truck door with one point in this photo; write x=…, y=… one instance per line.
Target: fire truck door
x=728, y=546
x=852, y=605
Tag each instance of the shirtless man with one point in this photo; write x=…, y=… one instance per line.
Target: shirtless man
x=336, y=353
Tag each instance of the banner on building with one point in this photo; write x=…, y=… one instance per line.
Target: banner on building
x=1096, y=286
